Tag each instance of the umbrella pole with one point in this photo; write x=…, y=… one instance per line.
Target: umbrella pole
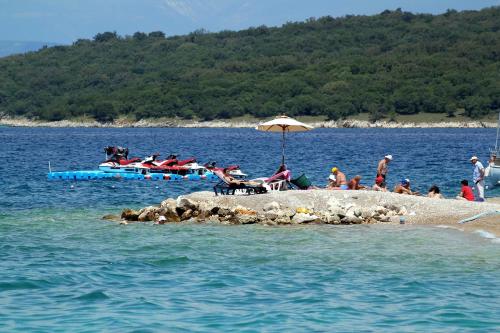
x=283, y=149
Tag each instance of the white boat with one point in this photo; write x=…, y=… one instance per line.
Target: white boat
x=493, y=167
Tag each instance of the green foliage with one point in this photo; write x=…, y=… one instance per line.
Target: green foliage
x=387, y=64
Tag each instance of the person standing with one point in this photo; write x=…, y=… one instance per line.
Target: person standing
x=383, y=166
x=478, y=177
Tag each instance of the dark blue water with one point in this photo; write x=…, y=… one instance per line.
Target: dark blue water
x=62, y=268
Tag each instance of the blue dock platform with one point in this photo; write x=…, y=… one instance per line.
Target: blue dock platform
x=101, y=175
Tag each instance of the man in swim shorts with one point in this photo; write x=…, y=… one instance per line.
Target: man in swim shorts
x=340, y=180
x=383, y=166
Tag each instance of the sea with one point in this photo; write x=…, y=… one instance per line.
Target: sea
x=65, y=269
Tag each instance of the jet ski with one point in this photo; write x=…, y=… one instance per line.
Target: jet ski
x=174, y=166
x=117, y=161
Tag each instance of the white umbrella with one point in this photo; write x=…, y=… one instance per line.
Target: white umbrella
x=283, y=124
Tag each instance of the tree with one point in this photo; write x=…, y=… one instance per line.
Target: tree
x=157, y=34
x=105, y=37
x=104, y=112
x=140, y=35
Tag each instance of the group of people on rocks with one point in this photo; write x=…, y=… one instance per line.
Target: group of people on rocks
x=338, y=181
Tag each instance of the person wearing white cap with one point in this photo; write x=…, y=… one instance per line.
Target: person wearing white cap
x=383, y=166
x=478, y=177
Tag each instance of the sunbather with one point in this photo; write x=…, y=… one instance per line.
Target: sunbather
x=379, y=184
x=354, y=184
x=230, y=180
x=340, y=180
x=404, y=188
x=435, y=192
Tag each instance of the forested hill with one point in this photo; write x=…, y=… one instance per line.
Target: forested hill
x=394, y=62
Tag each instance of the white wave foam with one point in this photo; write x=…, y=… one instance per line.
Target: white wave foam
x=488, y=235
x=448, y=227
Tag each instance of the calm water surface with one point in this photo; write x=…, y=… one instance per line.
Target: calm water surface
x=64, y=269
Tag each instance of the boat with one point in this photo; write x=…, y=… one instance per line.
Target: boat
x=493, y=168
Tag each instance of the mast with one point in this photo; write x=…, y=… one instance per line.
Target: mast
x=498, y=132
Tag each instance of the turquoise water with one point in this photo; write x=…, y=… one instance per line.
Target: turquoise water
x=73, y=272
x=64, y=269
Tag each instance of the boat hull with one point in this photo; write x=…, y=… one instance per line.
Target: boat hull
x=494, y=175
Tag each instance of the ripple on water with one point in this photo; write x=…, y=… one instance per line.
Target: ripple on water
x=64, y=269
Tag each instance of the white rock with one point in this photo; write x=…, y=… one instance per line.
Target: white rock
x=303, y=218
x=271, y=206
x=169, y=204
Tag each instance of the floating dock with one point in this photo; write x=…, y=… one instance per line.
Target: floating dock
x=101, y=175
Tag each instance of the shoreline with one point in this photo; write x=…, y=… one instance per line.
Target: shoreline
x=348, y=123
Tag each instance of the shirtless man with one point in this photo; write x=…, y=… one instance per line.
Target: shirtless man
x=404, y=188
x=340, y=180
x=383, y=166
x=354, y=184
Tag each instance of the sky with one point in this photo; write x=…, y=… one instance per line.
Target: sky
x=64, y=21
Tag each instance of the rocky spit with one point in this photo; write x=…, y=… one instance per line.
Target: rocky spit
x=308, y=207
x=348, y=123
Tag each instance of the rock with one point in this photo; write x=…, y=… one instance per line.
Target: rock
x=187, y=215
x=169, y=204
x=339, y=211
x=123, y=222
x=185, y=204
x=304, y=218
x=332, y=203
x=246, y=219
x=283, y=220
x=366, y=213
x=147, y=214
x=222, y=211
x=394, y=219
x=171, y=216
x=270, y=215
x=130, y=215
x=239, y=210
x=213, y=219
x=351, y=219
x=271, y=206
x=111, y=217
x=333, y=219
x=381, y=210
x=403, y=211
x=303, y=210
x=391, y=207
x=357, y=211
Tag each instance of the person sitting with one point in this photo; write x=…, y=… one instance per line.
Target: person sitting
x=435, y=192
x=354, y=184
x=404, y=188
x=379, y=184
x=332, y=181
x=340, y=180
x=466, y=191
x=281, y=174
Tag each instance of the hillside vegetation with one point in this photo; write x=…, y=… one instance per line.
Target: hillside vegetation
x=387, y=64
